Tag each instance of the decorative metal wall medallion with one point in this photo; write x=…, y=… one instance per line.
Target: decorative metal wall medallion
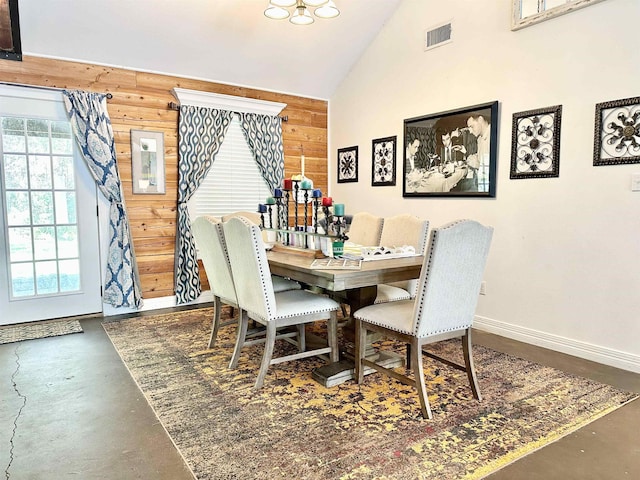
x=348, y=164
x=617, y=132
x=383, y=153
x=535, y=143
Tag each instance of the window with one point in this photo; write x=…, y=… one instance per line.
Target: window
x=234, y=182
x=530, y=12
x=38, y=182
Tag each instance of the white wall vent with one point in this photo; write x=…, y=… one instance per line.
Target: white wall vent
x=438, y=35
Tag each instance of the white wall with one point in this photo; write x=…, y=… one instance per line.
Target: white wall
x=564, y=269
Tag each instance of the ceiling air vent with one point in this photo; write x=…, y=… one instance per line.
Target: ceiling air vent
x=437, y=35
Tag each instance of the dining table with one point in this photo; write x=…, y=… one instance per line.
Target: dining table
x=358, y=287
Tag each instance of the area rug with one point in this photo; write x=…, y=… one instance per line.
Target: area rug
x=31, y=331
x=295, y=428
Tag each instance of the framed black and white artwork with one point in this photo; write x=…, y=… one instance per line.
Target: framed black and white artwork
x=10, y=43
x=383, y=161
x=617, y=132
x=535, y=143
x=452, y=153
x=348, y=164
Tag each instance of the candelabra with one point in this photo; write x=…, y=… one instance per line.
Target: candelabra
x=300, y=233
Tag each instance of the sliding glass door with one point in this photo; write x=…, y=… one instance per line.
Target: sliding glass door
x=49, y=246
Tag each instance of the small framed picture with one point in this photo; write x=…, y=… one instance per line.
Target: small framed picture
x=348, y=164
x=383, y=161
x=535, y=143
x=147, y=162
x=617, y=132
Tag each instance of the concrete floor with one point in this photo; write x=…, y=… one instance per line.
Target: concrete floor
x=84, y=417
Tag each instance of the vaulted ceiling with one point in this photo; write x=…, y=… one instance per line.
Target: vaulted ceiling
x=227, y=41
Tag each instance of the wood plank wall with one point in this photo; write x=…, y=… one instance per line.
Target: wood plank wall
x=140, y=102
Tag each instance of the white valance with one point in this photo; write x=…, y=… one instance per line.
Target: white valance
x=230, y=103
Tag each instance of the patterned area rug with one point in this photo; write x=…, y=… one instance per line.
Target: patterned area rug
x=295, y=428
x=30, y=331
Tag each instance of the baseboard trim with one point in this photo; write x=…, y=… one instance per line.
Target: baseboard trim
x=156, y=304
x=588, y=351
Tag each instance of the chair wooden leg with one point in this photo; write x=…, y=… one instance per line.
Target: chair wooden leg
x=361, y=345
x=332, y=336
x=243, y=322
x=217, y=306
x=418, y=372
x=266, y=356
x=468, y=363
x=408, y=356
x=302, y=339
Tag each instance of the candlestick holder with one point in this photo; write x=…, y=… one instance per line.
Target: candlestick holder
x=306, y=216
x=296, y=188
x=270, y=211
x=286, y=215
x=278, y=220
x=327, y=218
x=316, y=204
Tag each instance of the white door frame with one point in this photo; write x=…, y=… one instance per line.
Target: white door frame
x=41, y=103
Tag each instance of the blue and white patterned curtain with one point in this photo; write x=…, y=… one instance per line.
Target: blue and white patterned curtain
x=92, y=129
x=201, y=132
x=264, y=136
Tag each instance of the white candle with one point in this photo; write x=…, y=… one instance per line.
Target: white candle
x=302, y=158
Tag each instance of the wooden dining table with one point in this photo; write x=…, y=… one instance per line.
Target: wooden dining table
x=358, y=287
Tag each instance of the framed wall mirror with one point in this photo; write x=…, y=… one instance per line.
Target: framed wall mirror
x=529, y=12
x=147, y=162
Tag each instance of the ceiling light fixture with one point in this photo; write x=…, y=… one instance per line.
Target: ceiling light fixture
x=278, y=10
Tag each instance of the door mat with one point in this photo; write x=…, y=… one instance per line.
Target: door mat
x=31, y=331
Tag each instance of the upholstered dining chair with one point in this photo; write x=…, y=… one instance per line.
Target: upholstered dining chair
x=253, y=217
x=213, y=253
x=212, y=250
x=443, y=308
x=280, y=284
x=400, y=230
x=258, y=301
x=365, y=229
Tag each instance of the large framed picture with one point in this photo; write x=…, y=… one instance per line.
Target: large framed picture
x=535, y=143
x=348, y=164
x=451, y=154
x=147, y=162
x=617, y=132
x=10, y=43
x=383, y=161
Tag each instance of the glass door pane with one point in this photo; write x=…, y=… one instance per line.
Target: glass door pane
x=41, y=218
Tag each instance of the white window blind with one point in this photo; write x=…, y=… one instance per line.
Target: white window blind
x=234, y=182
